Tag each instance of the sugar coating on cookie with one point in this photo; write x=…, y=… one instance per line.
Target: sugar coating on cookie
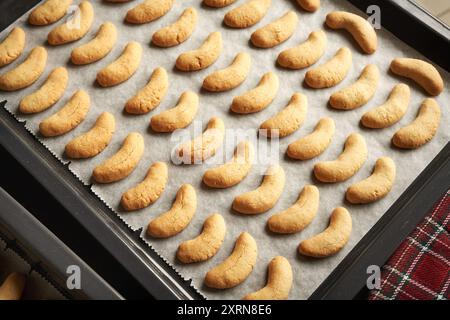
x=332, y=72
x=332, y=239
x=288, y=120
x=49, y=12
x=12, y=46
x=123, y=68
x=375, y=187
x=147, y=191
x=206, y=244
x=204, y=146
x=279, y=281
x=94, y=141
x=48, y=94
x=75, y=28
x=178, y=217
x=298, y=216
x=389, y=112
x=422, y=129
x=258, y=98
x=123, y=162
x=309, y=5
x=305, y=54
x=98, y=47
x=265, y=196
x=202, y=57
x=347, y=164
x=314, y=143
x=248, y=14
x=178, y=32
x=12, y=287
x=230, y=77
x=359, y=93
x=275, y=32
x=232, y=172
x=422, y=72
x=68, y=117
x=150, y=96
x=177, y=117
x=148, y=11
x=361, y=29
x=26, y=73
x=218, y=3
x=237, y=267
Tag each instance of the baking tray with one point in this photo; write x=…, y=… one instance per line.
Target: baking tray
x=149, y=268
x=46, y=254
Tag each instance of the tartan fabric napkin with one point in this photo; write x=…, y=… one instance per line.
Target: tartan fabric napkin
x=420, y=267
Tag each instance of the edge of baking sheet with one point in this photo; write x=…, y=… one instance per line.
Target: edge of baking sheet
x=137, y=257
x=29, y=239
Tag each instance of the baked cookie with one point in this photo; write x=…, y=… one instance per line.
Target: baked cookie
x=49, y=12
x=12, y=46
x=178, y=32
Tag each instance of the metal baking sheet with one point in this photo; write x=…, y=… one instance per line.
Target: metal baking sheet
x=308, y=273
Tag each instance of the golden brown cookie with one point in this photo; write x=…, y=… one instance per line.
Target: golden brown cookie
x=275, y=32
x=309, y=5
x=12, y=287
x=248, y=14
x=206, y=244
x=178, y=217
x=148, y=10
x=218, y=3
x=94, y=141
x=49, y=12
x=48, y=94
x=178, y=32
x=12, y=46
x=237, y=267
x=68, y=117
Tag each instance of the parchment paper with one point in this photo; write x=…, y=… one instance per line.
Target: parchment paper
x=308, y=273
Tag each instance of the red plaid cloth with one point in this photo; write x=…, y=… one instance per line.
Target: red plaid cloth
x=420, y=267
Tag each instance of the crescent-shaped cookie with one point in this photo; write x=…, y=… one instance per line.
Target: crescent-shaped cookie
x=26, y=73
x=305, y=54
x=12, y=46
x=375, y=187
x=332, y=72
x=48, y=94
x=347, y=164
x=150, y=96
x=178, y=32
x=177, y=117
x=288, y=120
x=148, y=10
x=205, y=146
x=422, y=72
x=98, y=47
x=361, y=30
x=75, y=28
x=232, y=172
x=258, y=98
x=123, y=162
x=68, y=117
x=123, y=68
x=49, y=12
x=279, y=281
x=13, y=286
x=147, y=191
x=391, y=111
x=275, y=32
x=94, y=141
x=178, y=217
x=332, y=239
x=314, y=143
x=359, y=93
x=202, y=57
x=248, y=14
x=265, y=196
x=230, y=77
x=422, y=129
x=309, y=5
x=218, y=3
x=206, y=244
x=299, y=216
x=237, y=267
